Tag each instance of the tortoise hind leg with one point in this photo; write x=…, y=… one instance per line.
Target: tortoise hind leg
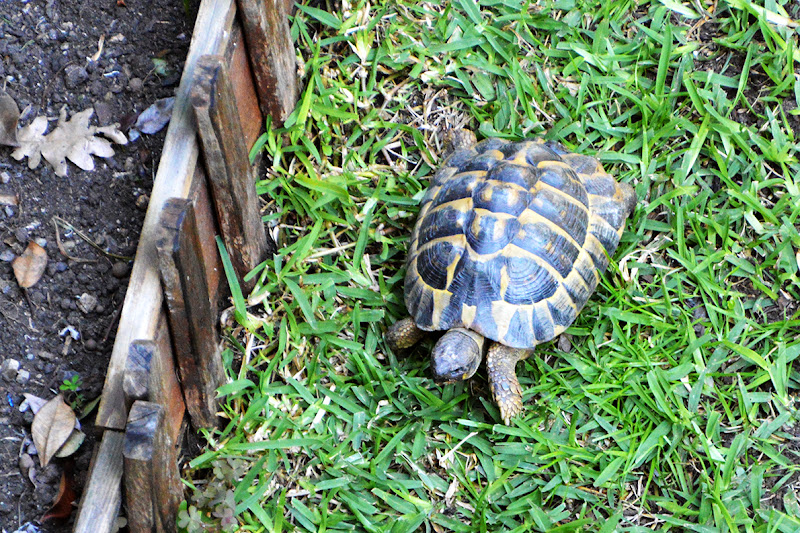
x=403, y=334
x=501, y=362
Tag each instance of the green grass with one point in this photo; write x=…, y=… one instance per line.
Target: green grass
x=670, y=404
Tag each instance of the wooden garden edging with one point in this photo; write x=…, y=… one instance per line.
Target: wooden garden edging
x=165, y=359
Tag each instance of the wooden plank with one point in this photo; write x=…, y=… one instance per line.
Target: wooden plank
x=207, y=232
x=269, y=41
x=150, y=375
x=102, y=496
x=153, y=489
x=191, y=317
x=143, y=298
x=244, y=87
x=231, y=176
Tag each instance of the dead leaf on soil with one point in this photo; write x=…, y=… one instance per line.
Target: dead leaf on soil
x=26, y=467
x=154, y=118
x=72, y=139
x=9, y=116
x=30, y=266
x=74, y=442
x=51, y=428
x=62, y=505
x=32, y=402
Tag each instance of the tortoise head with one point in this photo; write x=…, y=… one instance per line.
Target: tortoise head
x=457, y=355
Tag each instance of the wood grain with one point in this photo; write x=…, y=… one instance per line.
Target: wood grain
x=191, y=317
x=102, y=495
x=244, y=89
x=150, y=375
x=269, y=41
x=231, y=177
x=153, y=488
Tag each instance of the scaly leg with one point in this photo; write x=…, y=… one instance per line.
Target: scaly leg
x=403, y=334
x=501, y=362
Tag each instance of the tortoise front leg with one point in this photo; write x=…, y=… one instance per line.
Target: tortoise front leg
x=403, y=334
x=501, y=362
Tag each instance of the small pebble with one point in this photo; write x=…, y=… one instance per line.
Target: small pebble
x=23, y=376
x=7, y=256
x=4, y=178
x=61, y=266
x=120, y=269
x=135, y=85
x=47, y=355
x=9, y=369
x=87, y=303
x=74, y=75
x=91, y=345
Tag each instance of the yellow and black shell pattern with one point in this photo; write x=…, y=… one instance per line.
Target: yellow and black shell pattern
x=511, y=240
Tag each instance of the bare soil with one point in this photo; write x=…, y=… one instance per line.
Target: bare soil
x=117, y=56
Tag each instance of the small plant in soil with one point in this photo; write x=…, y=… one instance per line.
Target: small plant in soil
x=71, y=387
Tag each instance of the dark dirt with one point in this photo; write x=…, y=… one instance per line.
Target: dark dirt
x=47, y=48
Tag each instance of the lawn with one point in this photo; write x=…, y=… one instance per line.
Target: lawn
x=669, y=405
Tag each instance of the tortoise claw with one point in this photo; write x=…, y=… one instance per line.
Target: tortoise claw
x=511, y=407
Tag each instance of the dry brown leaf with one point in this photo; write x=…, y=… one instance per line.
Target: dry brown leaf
x=29, y=267
x=62, y=505
x=72, y=139
x=9, y=116
x=26, y=467
x=73, y=443
x=51, y=428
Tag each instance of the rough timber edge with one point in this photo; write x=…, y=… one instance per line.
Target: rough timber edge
x=144, y=300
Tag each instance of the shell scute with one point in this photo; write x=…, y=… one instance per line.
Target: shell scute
x=528, y=282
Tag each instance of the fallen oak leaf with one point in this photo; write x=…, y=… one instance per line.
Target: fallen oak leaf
x=71, y=139
x=30, y=139
x=63, y=503
x=51, y=428
x=30, y=266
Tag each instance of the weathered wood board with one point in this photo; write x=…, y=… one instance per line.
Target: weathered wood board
x=192, y=317
x=153, y=488
x=269, y=41
x=231, y=177
x=217, y=31
x=102, y=497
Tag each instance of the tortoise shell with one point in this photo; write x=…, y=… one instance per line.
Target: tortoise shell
x=511, y=240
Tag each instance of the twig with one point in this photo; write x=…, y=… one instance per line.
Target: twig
x=82, y=235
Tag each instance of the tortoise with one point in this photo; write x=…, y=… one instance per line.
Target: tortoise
x=510, y=242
